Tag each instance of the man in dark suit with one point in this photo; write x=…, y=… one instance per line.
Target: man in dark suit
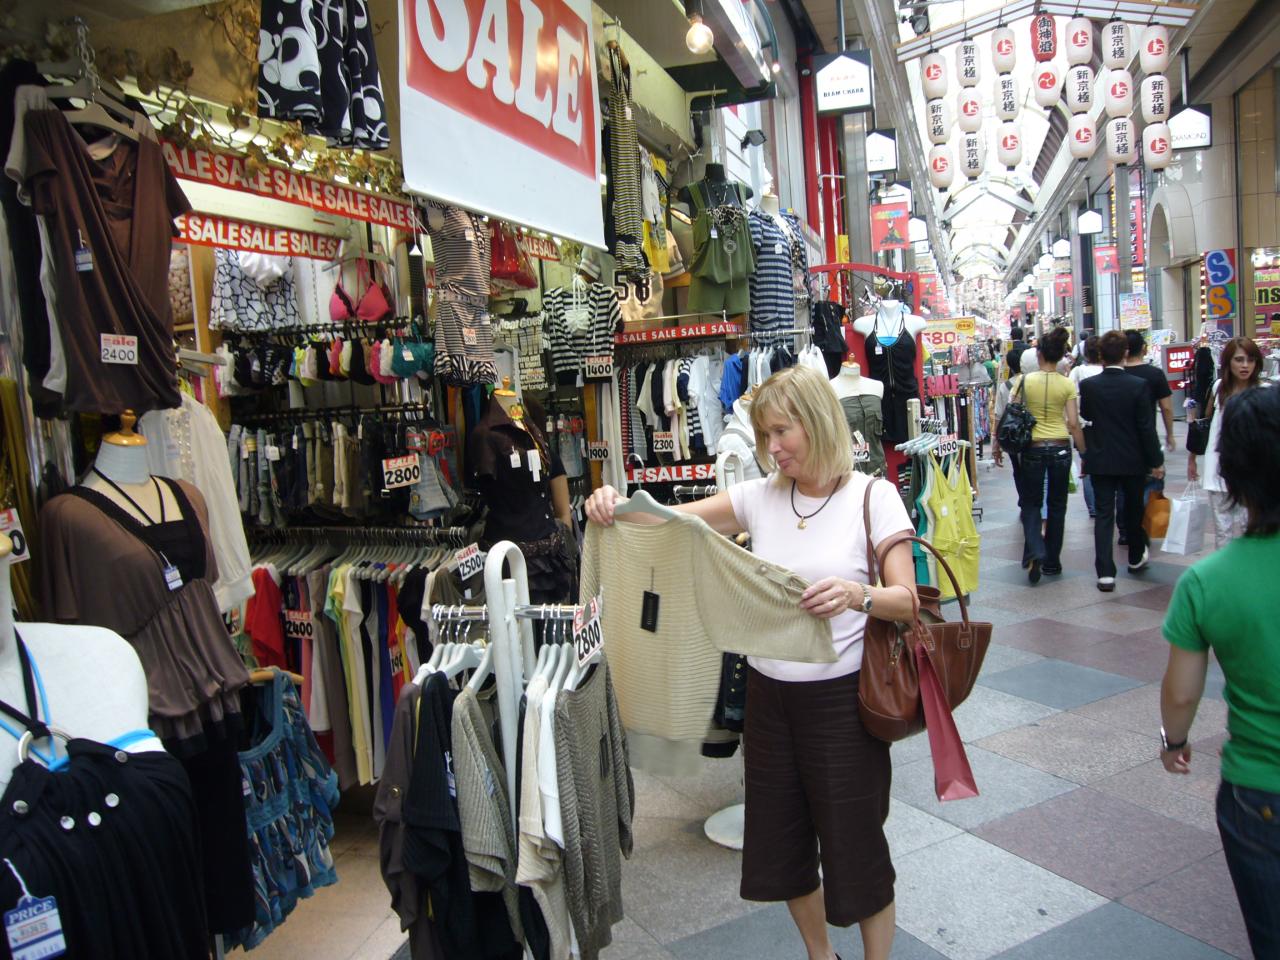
x=1121, y=449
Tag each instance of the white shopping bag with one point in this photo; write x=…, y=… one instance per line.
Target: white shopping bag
x=1188, y=518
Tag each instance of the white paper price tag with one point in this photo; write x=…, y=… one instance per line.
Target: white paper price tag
x=10, y=524
x=598, y=450
x=297, y=623
x=119, y=348
x=861, y=452
x=663, y=442
x=470, y=561
x=588, y=636
x=599, y=368
x=401, y=471
x=948, y=446
x=469, y=337
x=34, y=929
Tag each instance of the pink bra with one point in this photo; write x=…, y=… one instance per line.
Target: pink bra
x=374, y=305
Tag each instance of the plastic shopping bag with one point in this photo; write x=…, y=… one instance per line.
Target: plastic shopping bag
x=1188, y=518
x=1073, y=481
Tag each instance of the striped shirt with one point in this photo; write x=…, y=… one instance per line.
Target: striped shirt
x=572, y=338
x=460, y=248
x=773, y=296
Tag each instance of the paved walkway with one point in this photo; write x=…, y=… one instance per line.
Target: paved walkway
x=1080, y=846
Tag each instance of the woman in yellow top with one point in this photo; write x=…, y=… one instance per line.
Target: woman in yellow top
x=1051, y=398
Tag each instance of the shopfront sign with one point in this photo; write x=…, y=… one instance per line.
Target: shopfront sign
x=231, y=171
x=499, y=111
x=1266, y=298
x=1135, y=311
x=882, y=151
x=1177, y=359
x=1191, y=128
x=1062, y=285
x=1221, y=285
x=1105, y=260
x=842, y=82
x=206, y=230
x=945, y=333
x=889, y=230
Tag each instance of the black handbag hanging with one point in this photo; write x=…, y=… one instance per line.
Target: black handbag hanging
x=1198, y=430
x=1016, y=423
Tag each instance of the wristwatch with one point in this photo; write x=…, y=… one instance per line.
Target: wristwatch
x=865, y=606
x=1168, y=747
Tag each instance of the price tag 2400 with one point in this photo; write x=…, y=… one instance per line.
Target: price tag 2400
x=401, y=471
x=119, y=348
x=588, y=635
x=469, y=560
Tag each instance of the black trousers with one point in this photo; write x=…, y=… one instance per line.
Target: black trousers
x=1105, y=488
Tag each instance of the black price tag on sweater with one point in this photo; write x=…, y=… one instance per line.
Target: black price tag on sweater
x=649, y=607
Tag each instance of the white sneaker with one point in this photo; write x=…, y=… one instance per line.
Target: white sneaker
x=1141, y=564
x=1106, y=584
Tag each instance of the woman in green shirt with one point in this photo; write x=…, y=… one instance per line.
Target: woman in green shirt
x=1220, y=603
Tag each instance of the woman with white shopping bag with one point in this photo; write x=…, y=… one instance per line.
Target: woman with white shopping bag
x=1242, y=370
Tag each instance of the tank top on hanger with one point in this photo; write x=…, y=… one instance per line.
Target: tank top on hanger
x=893, y=361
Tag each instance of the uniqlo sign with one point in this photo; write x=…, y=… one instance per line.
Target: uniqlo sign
x=499, y=110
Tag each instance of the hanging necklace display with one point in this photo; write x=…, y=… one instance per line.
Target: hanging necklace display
x=806, y=517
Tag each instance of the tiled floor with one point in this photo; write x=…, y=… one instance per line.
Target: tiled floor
x=1080, y=845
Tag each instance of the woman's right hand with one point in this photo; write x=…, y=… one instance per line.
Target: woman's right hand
x=1192, y=473
x=601, y=503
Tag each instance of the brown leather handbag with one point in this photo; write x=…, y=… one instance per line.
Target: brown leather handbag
x=889, y=701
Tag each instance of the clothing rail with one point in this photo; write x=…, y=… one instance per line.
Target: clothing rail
x=322, y=413
x=443, y=612
x=428, y=536
x=344, y=326
x=701, y=490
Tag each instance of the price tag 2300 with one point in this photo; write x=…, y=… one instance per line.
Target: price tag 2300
x=588, y=635
x=663, y=442
x=401, y=471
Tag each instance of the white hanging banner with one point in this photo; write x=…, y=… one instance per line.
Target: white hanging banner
x=969, y=110
x=1048, y=84
x=967, y=68
x=1078, y=90
x=1119, y=99
x=1120, y=135
x=973, y=155
x=1157, y=146
x=499, y=111
x=942, y=170
x=1153, y=52
x=1004, y=51
x=1007, y=99
x=933, y=75
x=1082, y=140
x=1155, y=98
x=1116, y=48
x=938, y=120
x=1009, y=145
x=1079, y=40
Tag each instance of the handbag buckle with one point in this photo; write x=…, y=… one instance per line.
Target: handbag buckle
x=966, y=638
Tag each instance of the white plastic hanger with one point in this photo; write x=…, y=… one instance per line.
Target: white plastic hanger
x=642, y=502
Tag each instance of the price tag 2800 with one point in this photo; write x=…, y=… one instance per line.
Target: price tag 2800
x=401, y=471
x=469, y=560
x=588, y=635
x=119, y=348
x=948, y=446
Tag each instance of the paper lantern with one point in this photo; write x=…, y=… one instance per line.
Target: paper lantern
x=1157, y=146
x=938, y=120
x=973, y=155
x=1153, y=51
x=969, y=110
x=1079, y=40
x=1155, y=98
x=967, y=69
x=1007, y=100
x=1048, y=84
x=1082, y=140
x=1044, y=37
x=1078, y=90
x=1009, y=145
x=1119, y=94
x=1120, y=134
x=1004, y=50
x=1116, y=50
x=941, y=168
x=933, y=75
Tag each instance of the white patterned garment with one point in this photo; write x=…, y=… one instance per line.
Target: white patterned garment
x=244, y=304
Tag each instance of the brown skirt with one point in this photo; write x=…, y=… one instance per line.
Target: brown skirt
x=816, y=780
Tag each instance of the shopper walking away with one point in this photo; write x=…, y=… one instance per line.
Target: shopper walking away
x=1214, y=608
x=1241, y=371
x=1161, y=394
x=1004, y=393
x=1051, y=399
x=1120, y=449
x=817, y=782
x=1090, y=366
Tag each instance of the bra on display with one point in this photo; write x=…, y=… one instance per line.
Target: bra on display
x=374, y=304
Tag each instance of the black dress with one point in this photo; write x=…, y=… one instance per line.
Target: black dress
x=894, y=364
x=111, y=837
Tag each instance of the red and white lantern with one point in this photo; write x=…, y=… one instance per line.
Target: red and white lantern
x=938, y=120
x=1153, y=51
x=1047, y=79
x=1009, y=145
x=1155, y=98
x=1079, y=40
x=942, y=169
x=1119, y=96
x=968, y=70
x=973, y=155
x=1078, y=91
x=969, y=110
x=1120, y=140
x=933, y=75
x=1004, y=50
x=1157, y=146
x=1007, y=100
x=1044, y=37
x=1116, y=47
x=1082, y=140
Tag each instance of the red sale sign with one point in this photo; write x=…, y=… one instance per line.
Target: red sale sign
x=500, y=112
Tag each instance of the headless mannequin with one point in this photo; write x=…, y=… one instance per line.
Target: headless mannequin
x=561, y=504
x=95, y=684
x=770, y=205
x=889, y=320
x=850, y=382
x=123, y=459
x=718, y=187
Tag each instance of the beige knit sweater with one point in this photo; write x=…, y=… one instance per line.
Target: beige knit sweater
x=714, y=597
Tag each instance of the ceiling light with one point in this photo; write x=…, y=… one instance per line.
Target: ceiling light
x=776, y=67
x=699, y=39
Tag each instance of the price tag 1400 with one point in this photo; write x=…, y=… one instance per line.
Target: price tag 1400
x=663, y=442
x=948, y=446
x=401, y=471
x=470, y=561
x=119, y=348
x=598, y=368
x=588, y=635
x=11, y=525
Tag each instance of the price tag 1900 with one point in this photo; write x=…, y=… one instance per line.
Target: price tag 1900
x=588, y=636
x=470, y=561
x=11, y=525
x=598, y=450
x=119, y=348
x=401, y=471
x=598, y=368
x=948, y=446
x=663, y=442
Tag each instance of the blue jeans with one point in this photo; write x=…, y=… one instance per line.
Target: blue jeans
x=1249, y=824
x=1038, y=465
x=1086, y=484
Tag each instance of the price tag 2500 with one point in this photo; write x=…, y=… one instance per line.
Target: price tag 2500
x=469, y=560
x=588, y=635
x=401, y=471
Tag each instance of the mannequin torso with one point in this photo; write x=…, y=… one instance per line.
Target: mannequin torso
x=849, y=382
x=716, y=189
x=889, y=320
x=129, y=469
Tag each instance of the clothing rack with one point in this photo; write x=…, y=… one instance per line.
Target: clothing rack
x=696, y=491
x=346, y=326
x=424, y=535
x=324, y=413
